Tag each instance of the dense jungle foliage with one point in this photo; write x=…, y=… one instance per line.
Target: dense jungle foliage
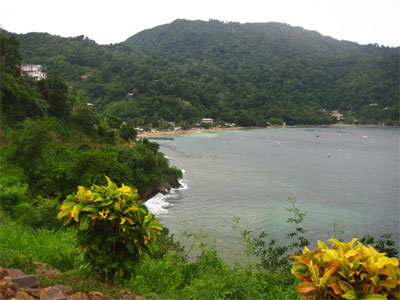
x=49, y=148
x=250, y=74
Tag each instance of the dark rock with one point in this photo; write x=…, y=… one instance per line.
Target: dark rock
x=164, y=188
x=26, y=281
x=14, y=273
x=52, y=293
x=77, y=296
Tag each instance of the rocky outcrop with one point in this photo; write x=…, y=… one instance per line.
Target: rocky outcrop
x=16, y=285
x=164, y=188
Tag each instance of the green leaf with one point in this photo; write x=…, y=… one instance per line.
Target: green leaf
x=350, y=295
x=325, y=278
x=91, y=208
x=105, y=203
x=109, y=182
x=84, y=224
x=75, y=214
x=314, y=273
x=375, y=280
x=351, y=253
x=330, y=255
x=394, y=272
x=345, y=286
x=389, y=283
x=322, y=245
x=374, y=297
x=383, y=261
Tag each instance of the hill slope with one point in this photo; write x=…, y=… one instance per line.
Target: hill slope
x=288, y=63
x=248, y=73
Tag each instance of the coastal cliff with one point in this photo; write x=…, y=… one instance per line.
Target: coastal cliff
x=164, y=187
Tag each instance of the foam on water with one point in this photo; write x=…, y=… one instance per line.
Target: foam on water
x=184, y=185
x=158, y=204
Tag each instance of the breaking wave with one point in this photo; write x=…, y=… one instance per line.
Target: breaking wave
x=159, y=203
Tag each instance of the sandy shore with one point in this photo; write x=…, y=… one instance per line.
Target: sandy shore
x=172, y=132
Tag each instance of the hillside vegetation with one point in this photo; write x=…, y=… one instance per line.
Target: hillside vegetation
x=250, y=74
x=62, y=160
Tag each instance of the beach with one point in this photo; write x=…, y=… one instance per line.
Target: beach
x=173, y=132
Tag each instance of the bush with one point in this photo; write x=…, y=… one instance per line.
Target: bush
x=346, y=272
x=12, y=191
x=113, y=230
x=38, y=213
x=128, y=132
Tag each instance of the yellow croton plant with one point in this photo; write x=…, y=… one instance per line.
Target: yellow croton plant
x=113, y=229
x=346, y=272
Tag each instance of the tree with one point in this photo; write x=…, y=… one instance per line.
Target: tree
x=10, y=57
x=55, y=92
x=128, y=132
x=114, y=121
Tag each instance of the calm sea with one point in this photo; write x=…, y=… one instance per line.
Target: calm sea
x=345, y=178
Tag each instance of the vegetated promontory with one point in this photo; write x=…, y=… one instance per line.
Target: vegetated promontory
x=249, y=74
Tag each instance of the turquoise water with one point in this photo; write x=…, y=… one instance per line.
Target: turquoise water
x=348, y=176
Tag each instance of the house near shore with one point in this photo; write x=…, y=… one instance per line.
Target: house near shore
x=337, y=115
x=207, y=120
x=36, y=71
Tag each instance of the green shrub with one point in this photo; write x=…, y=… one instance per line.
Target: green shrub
x=347, y=271
x=38, y=213
x=128, y=132
x=12, y=191
x=113, y=230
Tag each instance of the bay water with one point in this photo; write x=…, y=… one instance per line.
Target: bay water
x=345, y=178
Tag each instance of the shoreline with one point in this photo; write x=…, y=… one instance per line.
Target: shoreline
x=173, y=132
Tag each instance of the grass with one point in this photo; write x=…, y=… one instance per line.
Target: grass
x=208, y=277
x=19, y=243
x=168, y=277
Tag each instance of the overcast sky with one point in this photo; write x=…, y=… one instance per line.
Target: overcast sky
x=105, y=21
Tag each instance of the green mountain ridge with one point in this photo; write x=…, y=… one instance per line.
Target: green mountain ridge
x=250, y=73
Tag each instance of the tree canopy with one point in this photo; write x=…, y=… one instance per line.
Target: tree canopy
x=248, y=73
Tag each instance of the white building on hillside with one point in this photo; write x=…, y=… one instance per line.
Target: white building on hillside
x=35, y=71
x=207, y=120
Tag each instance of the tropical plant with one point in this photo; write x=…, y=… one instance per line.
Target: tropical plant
x=384, y=244
x=113, y=229
x=298, y=217
x=346, y=272
x=274, y=256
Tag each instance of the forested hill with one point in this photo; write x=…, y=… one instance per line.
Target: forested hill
x=254, y=41
x=245, y=73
